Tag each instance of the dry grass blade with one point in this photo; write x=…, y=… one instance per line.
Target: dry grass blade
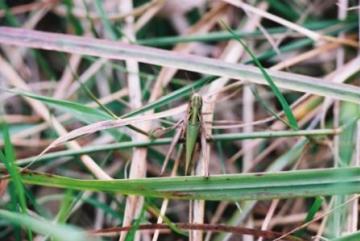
x=103, y=125
x=15, y=80
x=116, y=50
x=311, y=34
x=203, y=227
x=316, y=219
x=138, y=166
x=30, y=7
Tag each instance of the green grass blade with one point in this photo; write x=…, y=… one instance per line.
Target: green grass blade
x=79, y=111
x=284, y=9
x=9, y=17
x=57, y=231
x=166, y=141
x=8, y=158
x=111, y=31
x=13, y=205
x=76, y=24
x=349, y=115
x=92, y=201
x=174, y=95
x=351, y=237
x=285, y=106
x=266, y=106
x=65, y=207
x=155, y=211
x=314, y=208
x=225, y=35
x=297, y=44
x=257, y=186
x=130, y=236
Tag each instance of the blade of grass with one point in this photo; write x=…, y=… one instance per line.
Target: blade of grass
x=225, y=35
x=58, y=231
x=166, y=141
x=108, y=26
x=174, y=95
x=314, y=208
x=285, y=106
x=91, y=115
x=9, y=17
x=117, y=50
x=12, y=21
x=8, y=158
x=316, y=36
x=76, y=24
x=101, y=106
x=79, y=111
x=351, y=237
x=65, y=207
x=130, y=236
x=284, y=9
x=92, y=201
x=108, y=124
x=256, y=186
x=297, y=44
x=266, y=106
x=155, y=211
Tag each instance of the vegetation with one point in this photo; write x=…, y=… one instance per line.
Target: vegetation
x=179, y=120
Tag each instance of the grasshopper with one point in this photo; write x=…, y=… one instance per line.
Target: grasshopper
x=190, y=129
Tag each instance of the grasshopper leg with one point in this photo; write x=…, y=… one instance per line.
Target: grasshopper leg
x=175, y=140
x=161, y=131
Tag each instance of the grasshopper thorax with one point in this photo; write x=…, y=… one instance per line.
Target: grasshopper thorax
x=195, y=108
x=196, y=101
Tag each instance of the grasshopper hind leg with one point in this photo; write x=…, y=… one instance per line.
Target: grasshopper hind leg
x=175, y=140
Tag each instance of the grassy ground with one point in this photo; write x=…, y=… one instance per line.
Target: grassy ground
x=259, y=99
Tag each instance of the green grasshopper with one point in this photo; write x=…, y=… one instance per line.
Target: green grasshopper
x=190, y=129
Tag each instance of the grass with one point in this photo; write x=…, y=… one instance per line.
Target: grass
x=84, y=84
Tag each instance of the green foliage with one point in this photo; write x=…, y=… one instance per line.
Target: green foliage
x=59, y=232
x=17, y=190
x=303, y=183
x=285, y=106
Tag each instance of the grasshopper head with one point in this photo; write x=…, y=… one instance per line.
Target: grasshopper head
x=196, y=101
